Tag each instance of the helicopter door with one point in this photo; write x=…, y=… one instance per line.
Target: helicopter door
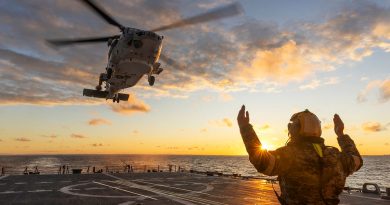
x=113, y=44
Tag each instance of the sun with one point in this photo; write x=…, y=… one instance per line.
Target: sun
x=265, y=146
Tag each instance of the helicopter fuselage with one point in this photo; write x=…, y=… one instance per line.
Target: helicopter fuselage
x=134, y=54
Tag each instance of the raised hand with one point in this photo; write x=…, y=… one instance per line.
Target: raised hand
x=338, y=125
x=243, y=117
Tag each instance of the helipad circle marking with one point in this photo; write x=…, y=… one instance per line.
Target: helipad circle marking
x=67, y=190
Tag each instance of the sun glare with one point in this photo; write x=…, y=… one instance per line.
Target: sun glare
x=265, y=146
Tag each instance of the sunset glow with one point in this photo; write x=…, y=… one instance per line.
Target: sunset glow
x=278, y=58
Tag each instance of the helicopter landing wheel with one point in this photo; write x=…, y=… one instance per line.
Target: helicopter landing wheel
x=151, y=80
x=115, y=99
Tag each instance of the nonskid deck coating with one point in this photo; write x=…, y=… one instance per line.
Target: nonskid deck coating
x=145, y=188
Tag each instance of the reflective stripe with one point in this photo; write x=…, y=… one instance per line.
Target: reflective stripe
x=357, y=162
x=271, y=165
x=318, y=149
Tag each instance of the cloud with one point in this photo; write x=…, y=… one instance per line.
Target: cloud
x=99, y=121
x=78, y=136
x=204, y=130
x=315, y=83
x=225, y=122
x=22, y=139
x=282, y=64
x=331, y=81
x=382, y=85
x=311, y=86
x=385, y=90
x=373, y=127
x=132, y=106
x=50, y=136
x=364, y=78
x=1, y=140
x=135, y=132
x=211, y=56
x=97, y=145
x=212, y=4
x=265, y=127
x=327, y=126
x=387, y=144
x=225, y=97
x=30, y=80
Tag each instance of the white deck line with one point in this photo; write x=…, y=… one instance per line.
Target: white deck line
x=2, y=177
x=181, y=196
x=39, y=190
x=113, y=187
x=172, y=187
x=167, y=193
x=364, y=197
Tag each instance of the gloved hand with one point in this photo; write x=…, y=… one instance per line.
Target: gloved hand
x=338, y=125
x=243, y=117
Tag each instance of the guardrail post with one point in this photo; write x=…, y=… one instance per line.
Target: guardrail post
x=388, y=194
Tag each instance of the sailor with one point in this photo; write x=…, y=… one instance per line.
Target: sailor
x=308, y=171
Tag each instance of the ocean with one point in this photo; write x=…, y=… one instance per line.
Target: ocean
x=376, y=169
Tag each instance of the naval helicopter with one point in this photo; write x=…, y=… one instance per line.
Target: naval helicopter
x=135, y=52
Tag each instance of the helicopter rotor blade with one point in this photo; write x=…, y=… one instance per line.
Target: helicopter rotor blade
x=215, y=14
x=97, y=9
x=171, y=62
x=65, y=42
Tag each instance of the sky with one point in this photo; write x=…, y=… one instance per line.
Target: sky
x=277, y=58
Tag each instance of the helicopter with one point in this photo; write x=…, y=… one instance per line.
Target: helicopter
x=135, y=52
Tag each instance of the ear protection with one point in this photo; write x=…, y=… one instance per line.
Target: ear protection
x=309, y=124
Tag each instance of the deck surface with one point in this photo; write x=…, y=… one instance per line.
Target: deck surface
x=145, y=189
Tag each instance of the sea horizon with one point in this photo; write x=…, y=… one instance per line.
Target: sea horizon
x=43, y=154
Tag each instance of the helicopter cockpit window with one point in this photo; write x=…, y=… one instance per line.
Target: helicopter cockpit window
x=137, y=43
x=141, y=33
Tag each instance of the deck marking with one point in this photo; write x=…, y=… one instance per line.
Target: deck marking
x=65, y=181
x=69, y=189
x=20, y=183
x=94, y=188
x=173, y=196
x=10, y=192
x=208, y=188
x=181, y=198
x=39, y=190
x=2, y=184
x=113, y=187
x=364, y=197
x=2, y=177
x=127, y=203
x=43, y=182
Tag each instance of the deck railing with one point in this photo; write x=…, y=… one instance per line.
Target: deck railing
x=88, y=169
